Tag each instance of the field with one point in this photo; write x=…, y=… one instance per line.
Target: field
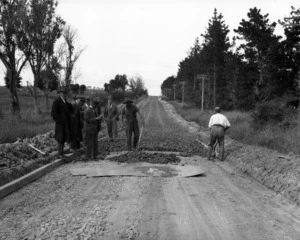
x=30, y=125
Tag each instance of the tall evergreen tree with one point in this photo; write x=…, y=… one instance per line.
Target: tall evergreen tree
x=188, y=69
x=260, y=41
x=291, y=50
x=215, y=47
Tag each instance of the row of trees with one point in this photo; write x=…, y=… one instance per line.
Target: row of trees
x=256, y=66
x=133, y=86
x=31, y=33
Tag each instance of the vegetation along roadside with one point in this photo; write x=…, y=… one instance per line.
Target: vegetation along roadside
x=281, y=133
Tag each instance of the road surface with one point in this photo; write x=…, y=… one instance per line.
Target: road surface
x=222, y=204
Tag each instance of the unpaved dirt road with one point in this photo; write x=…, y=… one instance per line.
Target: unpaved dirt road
x=222, y=204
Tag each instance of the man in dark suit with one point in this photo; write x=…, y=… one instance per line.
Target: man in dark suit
x=98, y=112
x=111, y=115
x=62, y=117
x=86, y=105
x=91, y=128
x=130, y=122
x=77, y=108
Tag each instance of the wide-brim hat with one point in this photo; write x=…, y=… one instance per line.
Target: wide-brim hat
x=127, y=100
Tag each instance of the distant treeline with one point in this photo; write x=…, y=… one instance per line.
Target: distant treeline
x=256, y=66
x=121, y=87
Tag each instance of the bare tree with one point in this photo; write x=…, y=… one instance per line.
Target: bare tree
x=77, y=74
x=137, y=85
x=71, y=53
x=50, y=78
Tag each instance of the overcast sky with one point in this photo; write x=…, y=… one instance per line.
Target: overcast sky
x=149, y=38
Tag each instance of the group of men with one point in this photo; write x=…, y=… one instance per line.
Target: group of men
x=78, y=122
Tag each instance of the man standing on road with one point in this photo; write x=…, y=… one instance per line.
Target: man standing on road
x=86, y=105
x=77, y=108
x=111, y=116
x=91, y=127
x=62, y=117
x=130, y=122
x=218, y=124
x=98, y=112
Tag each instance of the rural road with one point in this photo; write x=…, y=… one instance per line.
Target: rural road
x=221, y=204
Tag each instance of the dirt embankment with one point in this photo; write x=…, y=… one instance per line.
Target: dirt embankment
x=275, y=170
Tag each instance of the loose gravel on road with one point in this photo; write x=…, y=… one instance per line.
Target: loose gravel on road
x=221, y=204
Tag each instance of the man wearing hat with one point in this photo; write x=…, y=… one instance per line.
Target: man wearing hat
x=62, y=117
x=110, y=116
x=87, y=104
x=78, y=115
x=218, y=124
x=91, y=127
x=130, y=122
x=97, y=110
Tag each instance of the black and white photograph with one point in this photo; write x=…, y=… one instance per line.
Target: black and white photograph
x=149, y=120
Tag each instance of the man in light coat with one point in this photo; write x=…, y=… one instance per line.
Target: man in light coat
x=218, y=124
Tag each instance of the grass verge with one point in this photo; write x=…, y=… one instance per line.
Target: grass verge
x=272, y=136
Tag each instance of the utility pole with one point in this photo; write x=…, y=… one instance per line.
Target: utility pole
x=174, y=85
x=202, y=93
x=168, y=93
x=202, y=77
x=214, y=82
x=183, y=83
